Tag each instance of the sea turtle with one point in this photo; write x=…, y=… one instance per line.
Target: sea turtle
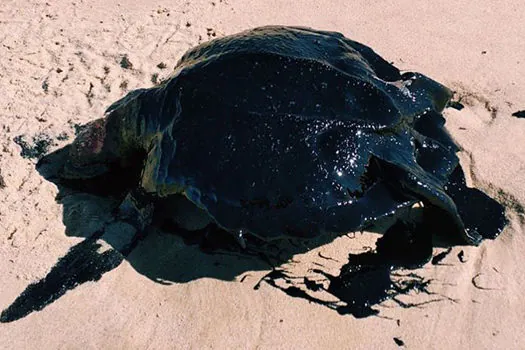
x=279, y=131
x=275, y=131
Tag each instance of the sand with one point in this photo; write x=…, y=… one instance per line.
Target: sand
x=61, y=64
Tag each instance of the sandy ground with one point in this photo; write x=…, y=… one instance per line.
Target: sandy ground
x=60, y=65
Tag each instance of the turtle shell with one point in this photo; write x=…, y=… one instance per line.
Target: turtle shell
x=292, y=131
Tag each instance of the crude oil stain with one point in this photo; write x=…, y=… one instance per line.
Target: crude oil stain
x=81, y=264
x=439, y=257
x=461, y=256
x=519, y=114
x=456, y=105
x=399, y=342
x=36, y=148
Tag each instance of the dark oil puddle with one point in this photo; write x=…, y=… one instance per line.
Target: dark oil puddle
x=461, y=257
x=367, y=279
x=81, y=264
x=36, y=148
x=456, y=105
x=438, y=258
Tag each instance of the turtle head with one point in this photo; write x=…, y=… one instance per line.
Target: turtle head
x=89, y=154
x=108, y=143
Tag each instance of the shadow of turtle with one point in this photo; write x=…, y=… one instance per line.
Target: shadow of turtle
x=89, y=205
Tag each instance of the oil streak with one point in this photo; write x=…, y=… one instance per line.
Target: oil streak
x=81, y=264
x=519, y=114
x=363, y=282
x=436, y=260
x=399, y=342
x=461, y=256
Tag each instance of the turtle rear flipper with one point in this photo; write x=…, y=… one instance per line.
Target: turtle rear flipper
x=420, y=186
x=456, y=207
x=479, y=212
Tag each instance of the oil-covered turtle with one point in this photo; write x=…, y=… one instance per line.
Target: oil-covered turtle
x=280, y=131
x=276, y=131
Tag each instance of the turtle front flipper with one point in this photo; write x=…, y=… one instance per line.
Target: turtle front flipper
x=420, y=171
x=136, y=210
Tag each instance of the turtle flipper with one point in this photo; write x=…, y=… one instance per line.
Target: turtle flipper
x=136, y=209
x=427, y=189
x=135, y=214
x=480, y=213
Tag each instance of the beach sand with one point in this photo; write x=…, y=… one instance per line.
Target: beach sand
x=62, y=63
